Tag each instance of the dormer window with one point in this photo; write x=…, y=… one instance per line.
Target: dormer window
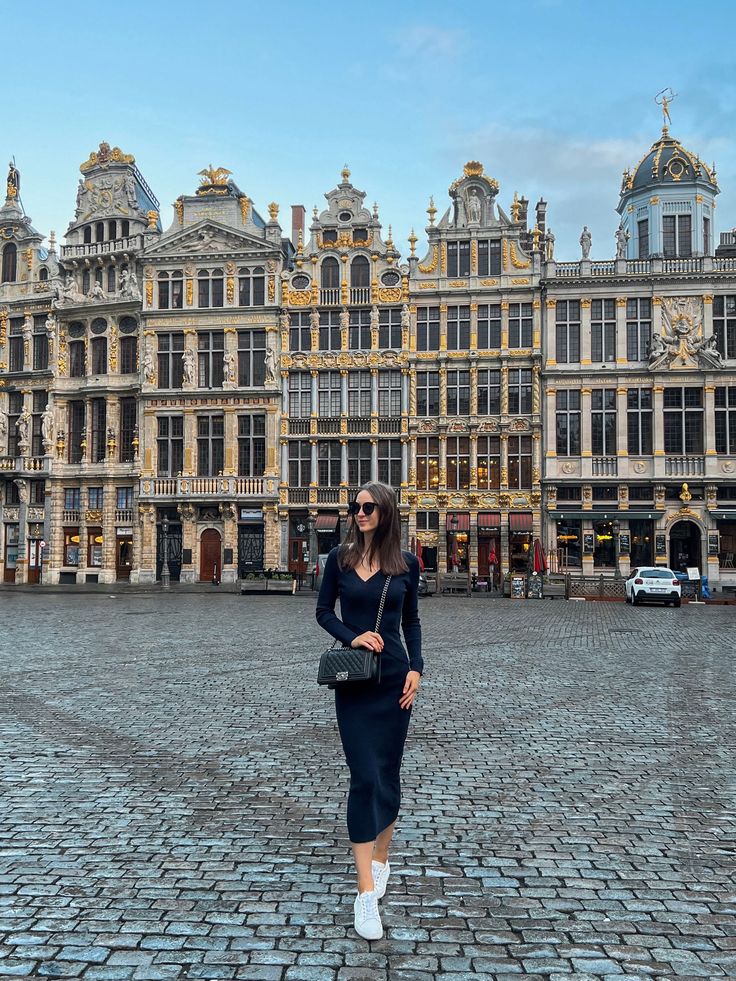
x=329, y=235
x=10, y=263
x=677, y=236
x=360, y=235
x=88, y=235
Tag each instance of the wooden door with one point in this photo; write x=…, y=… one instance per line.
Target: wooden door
x=34, y=560
x=210, y=558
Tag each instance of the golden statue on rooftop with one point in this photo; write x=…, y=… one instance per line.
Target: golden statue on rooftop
x=216, y=176
x=663, y=99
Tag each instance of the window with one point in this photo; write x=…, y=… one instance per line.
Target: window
x=40, y=399
x=99, y=355
x=210, y=288
x=127, y=430
x=300, y=395
x=360, y=272
x=300, y=463
x=458, y=328
x=489, y=462
x=329, y=330
x=389, y=329
x=458, y=462
x=124, y=498
x=77, y=368
x=95, y=496
x=520, y=325
x=725, y=400
x=71, y=546
x=428, y=462
x=15, y=407
x=328, y=392
x=300, y=335
x=43, y=275
x=99, y=431
x=389, y=461
x=428, y=328
x=251, y=358
x=677, y=235
x=603, y=421
x=603, y=331
x=359, y=462
x=489, y=257
x=458, y=393
x=489, y=392
x=210, y=444
x=428, y=393
x=76, y=427
x=458, y=258
x=72, y=499
x=389, y=394
x=10, y=263
x=724, y=325
x=100, y=231
x=86, y=282
x=683, y=420
x=639, y=421
x=211, y=345
x=128, y=355
x=568, y=331
x=170, y=360
x=40, y=344
x=251, y=445
x=568, y=422
x=359, y=393
x=642, y=231
x=359, y=334
x=164, y=294
x=520, y=461
x=329, y=455
x=330, y=273
x=17, y=353
x=170, y=445
x=520, y=390
x=111, y=279
x=638, y=328
x=489, y=325
x=329, y=235
x=252, y=287
x=94, y=548
x=706, y=236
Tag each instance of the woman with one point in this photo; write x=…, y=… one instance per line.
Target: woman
x=373, y=718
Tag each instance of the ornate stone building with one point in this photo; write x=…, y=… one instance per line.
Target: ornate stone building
x=209, y=397
x=640, y=384
x=474, y=360
x=344, y=370
x=27, y=335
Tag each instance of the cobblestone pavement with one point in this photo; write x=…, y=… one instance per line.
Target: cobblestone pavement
x=172, y=794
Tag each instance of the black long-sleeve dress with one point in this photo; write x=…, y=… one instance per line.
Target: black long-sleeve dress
x=372, y=724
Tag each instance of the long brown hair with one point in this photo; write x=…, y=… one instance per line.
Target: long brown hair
x=386, y=543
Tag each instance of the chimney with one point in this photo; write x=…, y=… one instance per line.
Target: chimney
x=542, y=215
x=298, y=216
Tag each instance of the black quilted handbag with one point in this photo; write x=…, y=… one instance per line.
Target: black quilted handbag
x=342, y=665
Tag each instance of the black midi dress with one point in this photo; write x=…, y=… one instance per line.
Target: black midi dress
x=372, y=724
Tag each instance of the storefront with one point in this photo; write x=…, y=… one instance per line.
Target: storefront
x=489, y=545
x=458, y=533
x=520, y=540
x=123, y=552
x=251, y=538
x=327, y=529
x=298, y=543
x=12, y=533
x=569, y=545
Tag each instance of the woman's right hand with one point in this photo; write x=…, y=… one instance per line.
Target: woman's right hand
x=370, y=639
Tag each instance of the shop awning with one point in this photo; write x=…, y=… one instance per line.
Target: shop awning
x=521, y=521
x=632, y=515
x=488, y=520
x=457, y=521
x=326, y=522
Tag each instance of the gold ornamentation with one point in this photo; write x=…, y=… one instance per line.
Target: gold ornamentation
x=244, y=203
x=273, y=210
x=443, y=259
x=389, y=294
x=516, y=208
x=412, y=242
x=474, y=256
x=432, y=264
x=520, y=282
x=516, y=262
x=212, y=177
x=230, y=289
x=489, y=282
x=620, y=301
x=29, y=257
x=708, y=299
x=504, y=253
x=149, y=293
x=685, y=494
x=104, y=156
x=190, y=292
x=585, y=303
x=271, y=289
x=179, y=209
x=152, y=217
x=458, y=284
x=431, y=211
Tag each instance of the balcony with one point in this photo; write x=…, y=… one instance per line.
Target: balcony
x=131, y=243
x=70, y=516
x=359, y=424
x=646, y=267
x=604, y=466
x=328, y=426
x=123, y=516
x=25, y=464
x=299, y=427
x=217, y=488
x=684, y=466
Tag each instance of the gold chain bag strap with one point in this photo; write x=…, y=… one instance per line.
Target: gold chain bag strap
x=345, y=665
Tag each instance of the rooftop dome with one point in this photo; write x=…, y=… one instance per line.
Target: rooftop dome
x=668, y=162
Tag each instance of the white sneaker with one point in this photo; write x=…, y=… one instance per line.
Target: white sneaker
x=381, y=872
x=367, y=918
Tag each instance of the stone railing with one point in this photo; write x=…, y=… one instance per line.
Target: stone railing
x=224, y=488
x=131, y=243
x=640, y=267
x=604, y=466
x=25, y=464
x=70, y=516
x=123, y=516
x=684, y=466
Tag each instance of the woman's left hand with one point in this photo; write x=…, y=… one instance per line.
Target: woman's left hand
x=411, y=687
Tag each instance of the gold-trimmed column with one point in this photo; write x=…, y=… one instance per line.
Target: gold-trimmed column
x=585, y=328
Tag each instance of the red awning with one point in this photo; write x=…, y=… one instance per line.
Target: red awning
x=488, y=519
x=520, y=522
x=326, y=522
x=457, y=521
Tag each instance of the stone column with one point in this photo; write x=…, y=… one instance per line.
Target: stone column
x=443, y=326
x=504, y=389
x=536, y=326
x=658, y=429
x=404, y=462
x=504, y=325
x=504, y=461
x=549, y=332
x=585, y=339
x=190, y=351
x=550, y=422
x=473, y=390
x=536, y=457
x=443, y=461
x=586, y=452
x=190, y=443
x=621, y=339
x=622, y=445
x=109, y=543
x=709, y=426
x=443, y=391
x=473, y=326
x=473, y=461
x=230, y=539
x=473, y=544
x=230, y=358
x=187, y=514
x=374, y=459
x=343, y=463
x=230, y=468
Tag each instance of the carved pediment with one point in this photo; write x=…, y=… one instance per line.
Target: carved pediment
x=209, y=239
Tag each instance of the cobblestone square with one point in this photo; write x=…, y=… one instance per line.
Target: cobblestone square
x=172, y=796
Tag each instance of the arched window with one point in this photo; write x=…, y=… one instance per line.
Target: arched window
x=112, y=229
x=99, y=355
x=100, y=231
x=251, y=287
x=43, y=274
x=124, y=228
x=111, y=279
x=210, y=288
x=98, y=275
x=203, y=288
x=177, y=290
x=85, y=282
x=330, y=273
x=217, y=286
x=163, y=291
x=10, y=263
x=88, y=235
x=360, y=271
x=128, y=355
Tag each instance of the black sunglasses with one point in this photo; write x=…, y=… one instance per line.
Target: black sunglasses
x=368, y=508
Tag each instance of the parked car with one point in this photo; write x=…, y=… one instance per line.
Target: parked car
x=648, y=583
x=423, y=589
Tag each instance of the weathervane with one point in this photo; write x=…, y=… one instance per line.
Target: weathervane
x=663, y=99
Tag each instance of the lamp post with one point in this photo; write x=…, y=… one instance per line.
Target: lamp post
x=165, y=574
x=616, y=528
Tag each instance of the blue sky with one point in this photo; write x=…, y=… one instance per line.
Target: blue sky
x=554, y=97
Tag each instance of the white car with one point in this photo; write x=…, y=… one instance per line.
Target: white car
x=653, y=583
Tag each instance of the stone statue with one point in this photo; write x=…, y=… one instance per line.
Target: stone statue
x=706, y=349
x=47, y=426
x=474, y=209
x=23, y=490
x=550, y=245
x=657, y=347
x=51, y=327
x=97, y=292
x=622, y=238
x=130, y=191
x=129, y=285
x=314, y=320
x=3, y=428
x=344, y=320
x=586, y=240
x=23, y=425
x=229, y=360
x=13, y=180
x=149, y=367
x=188, y=364
x=405, y=317
x=27, y=328
x=82, y=192
x=284, y=321
x=270, y=362
x=375, y=318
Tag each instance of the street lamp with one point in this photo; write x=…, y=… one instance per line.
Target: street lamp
x=616, y=528
x=165, y=574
